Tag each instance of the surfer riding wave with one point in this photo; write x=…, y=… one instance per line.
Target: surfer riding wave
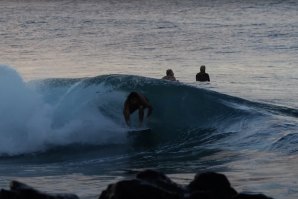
x=136, y=101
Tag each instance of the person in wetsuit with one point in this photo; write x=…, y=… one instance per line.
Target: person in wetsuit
x=202, y=76
x=169, y=75
x=136, y=101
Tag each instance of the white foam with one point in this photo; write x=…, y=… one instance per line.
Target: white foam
x=27, y=122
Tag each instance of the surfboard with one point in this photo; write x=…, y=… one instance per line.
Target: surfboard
x=141, y=130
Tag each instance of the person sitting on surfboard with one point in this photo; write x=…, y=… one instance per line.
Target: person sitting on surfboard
x=170, y=75
x=202, y=76
x=133, y=102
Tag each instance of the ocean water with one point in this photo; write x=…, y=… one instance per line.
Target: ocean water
x=66, y=67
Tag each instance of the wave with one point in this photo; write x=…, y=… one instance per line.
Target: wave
x=43, y=114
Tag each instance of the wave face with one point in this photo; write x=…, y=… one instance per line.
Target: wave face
x=46, y=114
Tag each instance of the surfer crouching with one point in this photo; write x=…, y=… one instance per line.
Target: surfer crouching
x=133, y=102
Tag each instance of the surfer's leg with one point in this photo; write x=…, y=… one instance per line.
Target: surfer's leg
x=141, y=115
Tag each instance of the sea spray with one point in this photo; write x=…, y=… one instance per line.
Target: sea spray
x=29, y=124
x=24, y=118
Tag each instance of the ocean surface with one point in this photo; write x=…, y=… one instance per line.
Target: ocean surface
x=66, y=67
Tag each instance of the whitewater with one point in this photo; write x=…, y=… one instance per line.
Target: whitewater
x=66, y=68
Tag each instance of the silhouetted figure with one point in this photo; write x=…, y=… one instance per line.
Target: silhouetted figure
x=202, y=76
x=170, y=75
x=136, y=101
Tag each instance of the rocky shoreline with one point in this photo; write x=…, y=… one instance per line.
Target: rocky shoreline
x=148, y=184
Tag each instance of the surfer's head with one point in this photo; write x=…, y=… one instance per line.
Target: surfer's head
x=170, y=72
x=203, y=68
x=133, y=98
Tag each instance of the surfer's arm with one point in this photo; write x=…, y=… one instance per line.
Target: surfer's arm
x=149, y=110
x=146, y=104
x=126, y=114
x=141, y=115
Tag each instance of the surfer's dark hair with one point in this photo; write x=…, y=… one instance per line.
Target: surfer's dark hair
x=133, y=95
x=169, y=71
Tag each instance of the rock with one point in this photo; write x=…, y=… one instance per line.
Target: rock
x=4, y=194
x=150, y=184
x=20, y=190
x=160, y=180
x=251, y=196
x=136, y=189
x=214, y=185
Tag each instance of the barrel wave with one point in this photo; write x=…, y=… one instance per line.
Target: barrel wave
x=44, y=115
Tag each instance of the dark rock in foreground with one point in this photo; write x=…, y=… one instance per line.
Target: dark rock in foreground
x=150, y=184
x=22, y=191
